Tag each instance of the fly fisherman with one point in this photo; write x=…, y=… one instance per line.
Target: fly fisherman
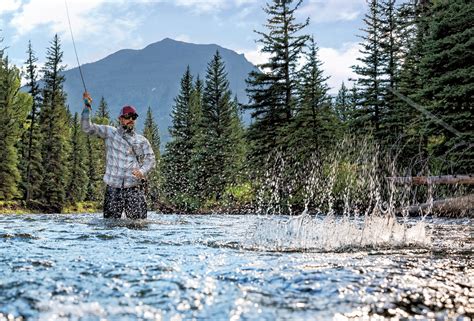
x=129, y=159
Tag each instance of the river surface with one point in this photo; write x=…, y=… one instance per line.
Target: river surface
x=219, y=267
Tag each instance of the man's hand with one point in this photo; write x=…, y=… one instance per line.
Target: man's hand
x=138, y=174
x=87, y=100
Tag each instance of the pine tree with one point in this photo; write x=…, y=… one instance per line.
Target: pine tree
x=14, y=108
x=237, y=147
x=31, y=164
x=343, y=105
x=447, y=73
x=216, y=152
x=151, y=133
x=406, y=121
x=103, y=110
x=78, y=179
x=391, y=52
x=368, y=118
x=315, y=124
x=198, y=173
x=54, y=130
x=95, y=147
x=178, y=152
x=272, y=89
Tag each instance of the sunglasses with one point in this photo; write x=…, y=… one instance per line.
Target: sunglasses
x=130, y=116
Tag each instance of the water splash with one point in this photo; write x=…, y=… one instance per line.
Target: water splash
x=330, y=233
x=357, y=206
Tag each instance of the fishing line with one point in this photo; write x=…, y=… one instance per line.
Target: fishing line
x=74, y=45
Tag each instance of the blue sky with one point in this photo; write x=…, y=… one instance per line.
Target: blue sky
x=102, y=27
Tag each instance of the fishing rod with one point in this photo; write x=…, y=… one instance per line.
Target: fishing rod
x=74, y=45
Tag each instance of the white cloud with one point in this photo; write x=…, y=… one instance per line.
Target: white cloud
x=9, y=5
x=255, y=56
x=337, y=64
x=53, y=13
x=333, y=10
x=100, y=27
x=183, y=37
x=211, y=6
x=202, y=6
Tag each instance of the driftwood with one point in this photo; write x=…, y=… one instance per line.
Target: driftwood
x=429, y=180
x=456, y=206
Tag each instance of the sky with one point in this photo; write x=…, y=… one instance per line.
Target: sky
x=102, y=27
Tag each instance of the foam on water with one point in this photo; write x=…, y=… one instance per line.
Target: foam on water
x=307, y=233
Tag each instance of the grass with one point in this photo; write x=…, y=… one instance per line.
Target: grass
x=19, y=207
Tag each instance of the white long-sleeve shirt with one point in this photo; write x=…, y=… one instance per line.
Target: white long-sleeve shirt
x=120, y=159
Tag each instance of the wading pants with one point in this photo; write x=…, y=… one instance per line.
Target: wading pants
x=130, y=201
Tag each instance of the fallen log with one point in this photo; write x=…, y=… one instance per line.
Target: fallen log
x=462, y=206
x=431, y=180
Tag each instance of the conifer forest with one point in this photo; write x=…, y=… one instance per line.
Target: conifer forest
x=408, y=112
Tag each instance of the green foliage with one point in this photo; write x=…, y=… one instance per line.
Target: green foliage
x=95, y=151
x=218, y=155
x=447, y=74
x=30, y=142
x=370, y=71
x=240, y=194
x=272, y=90
x=78, y=179
x=54, y=131
x=177, y=157
x=14, y=108
x=151, y=133
x=315, y=125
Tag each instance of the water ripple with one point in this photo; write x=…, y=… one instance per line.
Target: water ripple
x=173, y=267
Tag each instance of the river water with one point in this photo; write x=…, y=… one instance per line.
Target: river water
x=222, y=267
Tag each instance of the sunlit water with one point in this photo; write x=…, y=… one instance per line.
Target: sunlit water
x=215, y=267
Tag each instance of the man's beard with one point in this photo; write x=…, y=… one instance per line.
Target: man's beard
x=128, y=128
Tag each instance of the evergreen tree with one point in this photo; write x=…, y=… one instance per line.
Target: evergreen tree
x=216, y=153
x=95, y=148
x=198, y=173
x=272, y=90
x=391, y=51
x=14, y=108
x=405, y=121
x=237, y=147
x=314, y=125
x=447, y=73
x=368, y=118
x=31, y=164
x=54, y=130
x=177, y=157
x=343, y=105
x=103, y=109
x=78, y=179
x=151, y=133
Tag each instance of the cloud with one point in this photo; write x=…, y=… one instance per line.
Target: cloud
x=9, y=5
x=183, y=38
x=93, y=21
x=255, y=56
x=53, y=14
x=211, y=6
x=333, y=10
x=337, y=64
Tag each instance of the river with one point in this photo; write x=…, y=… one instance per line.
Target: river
x=231, y=267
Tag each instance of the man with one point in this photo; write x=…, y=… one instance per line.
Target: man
x=129, y=159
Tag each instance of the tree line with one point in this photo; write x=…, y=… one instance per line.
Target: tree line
x=412, y=99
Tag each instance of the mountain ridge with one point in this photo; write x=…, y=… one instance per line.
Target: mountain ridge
x=151, y=77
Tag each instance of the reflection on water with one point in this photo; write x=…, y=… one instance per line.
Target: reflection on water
x=81, y=267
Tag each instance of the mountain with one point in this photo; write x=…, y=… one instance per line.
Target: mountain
x=151, y=77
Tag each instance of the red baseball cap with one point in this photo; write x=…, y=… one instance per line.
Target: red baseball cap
x=128, y=110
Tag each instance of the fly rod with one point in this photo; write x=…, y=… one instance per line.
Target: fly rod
x=74, y=45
